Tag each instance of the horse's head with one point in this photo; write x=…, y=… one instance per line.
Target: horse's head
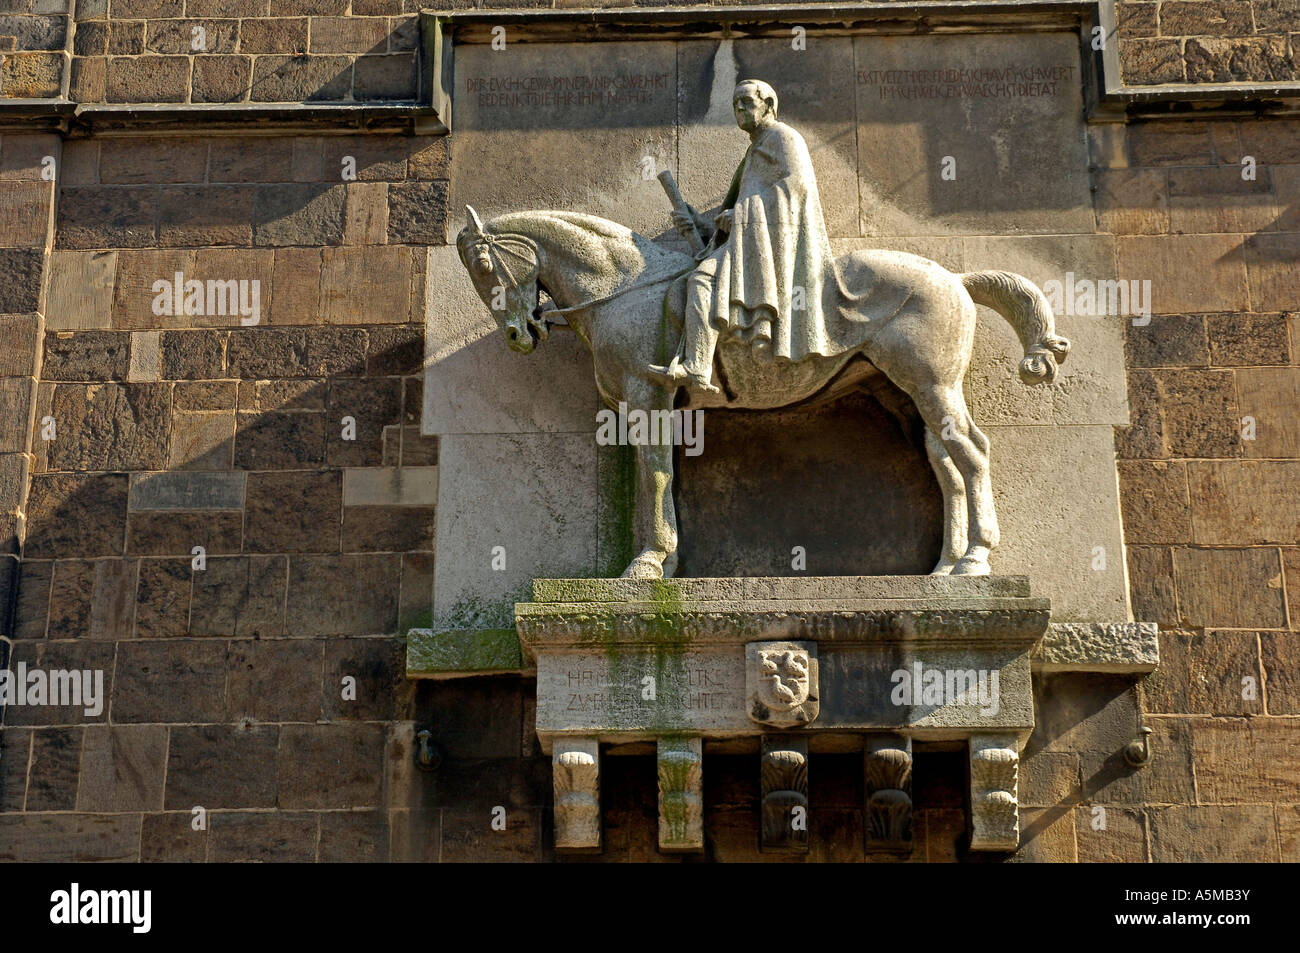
x=504, y=270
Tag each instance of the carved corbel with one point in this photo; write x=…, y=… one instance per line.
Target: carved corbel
x=783, y=773
x=994, y=805
x=681, y=794
x=575, y=773
x=888, y=764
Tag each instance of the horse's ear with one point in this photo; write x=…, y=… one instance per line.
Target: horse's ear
x=473, y=222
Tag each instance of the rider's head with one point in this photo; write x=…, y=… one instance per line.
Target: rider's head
x=754, y=102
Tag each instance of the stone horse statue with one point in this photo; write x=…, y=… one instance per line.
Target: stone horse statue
x=621, y=293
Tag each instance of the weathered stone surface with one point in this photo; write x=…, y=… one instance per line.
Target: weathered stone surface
x=1122, y=839
x=70, y=838
x=371, y=404
x=275, y=680
x=101, y=217
x=177, y=532
x=1198, y=412
x=1245, y=502
x=376, y=529
x=1261, y=59
x=76, y=515
x=122, y=768
x=79, y=284
x=1242, y=339
x=147, y=79
x=329, y=766
x=110, y=427
x=1148, y=62
x=295, y=79
x=344, y=595
x=205, y=395
x=220, y=766
x=1234, y=588
x=1213, y=834
x=1098, y=647
x=162, y=607
x=192, y=355
x=240, y=596
x=298, y=214
x=379, y=689
x=178, y=681
x=1220, y=200
x=1132, y=201
x=1270, y=260
x=278, y=441
x=293, y=512
x=50, y=779
x=86, y=356
x=220, y=79
x=1188, y=273
x=187, y=491
x=1278, y=651
x=901, y=131
x=538, y=508
x=263, y=837
x=1155, y=502
x=1176, y=340
x=1203, y=673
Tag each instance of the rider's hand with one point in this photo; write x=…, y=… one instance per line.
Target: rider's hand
x=683, y=222
x=723, y=220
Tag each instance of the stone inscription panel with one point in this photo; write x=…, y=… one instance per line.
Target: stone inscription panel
x=564, y=126
x=971, y=134
x=860, y=687
x=641, y=692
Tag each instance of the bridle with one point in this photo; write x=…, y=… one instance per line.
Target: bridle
x=509, y=244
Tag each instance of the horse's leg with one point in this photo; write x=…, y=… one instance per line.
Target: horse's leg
x=945, y=414
x=954, y=503
x=655, y=533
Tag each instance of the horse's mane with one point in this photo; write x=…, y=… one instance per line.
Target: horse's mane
x=602, y=227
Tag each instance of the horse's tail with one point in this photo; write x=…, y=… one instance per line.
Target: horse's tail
x=1026, y=309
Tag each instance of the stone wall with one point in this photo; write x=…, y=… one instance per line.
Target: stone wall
x=229, y=51
x=1209, y=41
x=226, y=683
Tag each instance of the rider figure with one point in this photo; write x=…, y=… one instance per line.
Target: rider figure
x=767, y=256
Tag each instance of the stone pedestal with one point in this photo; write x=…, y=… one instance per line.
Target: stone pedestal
x=790, y=666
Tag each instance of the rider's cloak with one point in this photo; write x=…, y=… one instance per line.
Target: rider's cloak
x=777, y=260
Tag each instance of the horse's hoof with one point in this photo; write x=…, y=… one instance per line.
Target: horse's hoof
x=644, y=567
x=942, y=568
x=971, y=566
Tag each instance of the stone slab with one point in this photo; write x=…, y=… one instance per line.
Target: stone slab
x=1098, y=647
x=1057, y=498
x=217, y=490
x=1006, y=108
x=808, y=588
x=533, y=495
x=450, y=654
x=604, y=695
x=473, y=383
x=564, y=126
x=390, y=486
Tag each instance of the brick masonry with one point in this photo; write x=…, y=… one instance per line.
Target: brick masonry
x=225, y=682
